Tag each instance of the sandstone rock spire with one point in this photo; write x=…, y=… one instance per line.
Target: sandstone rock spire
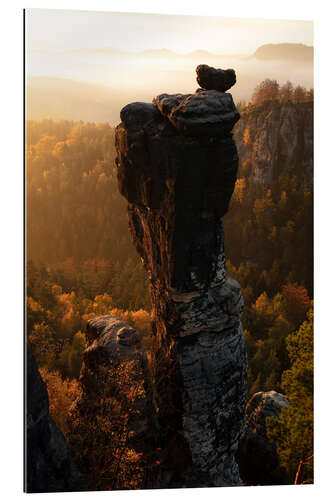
x=177, y=165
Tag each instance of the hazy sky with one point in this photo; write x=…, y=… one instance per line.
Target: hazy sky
x=59, y=30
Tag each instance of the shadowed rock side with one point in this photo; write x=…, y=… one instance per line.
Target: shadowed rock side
x=178, y=178
x=114, y=415
x=257, y=455
x=48, y=465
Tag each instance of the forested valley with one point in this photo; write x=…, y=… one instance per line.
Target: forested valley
x=81, y=263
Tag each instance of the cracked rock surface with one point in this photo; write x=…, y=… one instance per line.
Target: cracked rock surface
x=177, y=166
x=205, y=113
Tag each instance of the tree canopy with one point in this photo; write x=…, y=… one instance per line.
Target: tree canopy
x=293, y=432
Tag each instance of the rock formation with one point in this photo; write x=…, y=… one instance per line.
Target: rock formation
x=48, y=463
x=257, y=455
x=177, y=165
x=215, y=79
x=114, y=415
x=279, y=140
x=206, y=113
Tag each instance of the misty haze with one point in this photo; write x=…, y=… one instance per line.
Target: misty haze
x=94, y=84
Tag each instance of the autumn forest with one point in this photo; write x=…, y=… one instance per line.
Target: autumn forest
x=81, y=263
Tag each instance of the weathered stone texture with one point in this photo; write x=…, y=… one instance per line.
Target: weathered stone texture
x=114, y=414
x=281, y=140
x=205, y=113
x=177, y=166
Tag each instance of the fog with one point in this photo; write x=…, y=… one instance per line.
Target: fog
x=94, y=85
x=88, y=65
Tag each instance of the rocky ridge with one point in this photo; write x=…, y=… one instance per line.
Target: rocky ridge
x=277, y=138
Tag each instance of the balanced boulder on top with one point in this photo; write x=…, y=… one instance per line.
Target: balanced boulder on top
x=210, y=78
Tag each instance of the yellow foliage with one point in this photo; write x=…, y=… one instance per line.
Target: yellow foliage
x=45, y=145
x=60, y=150
x=41, y=339
x=33, y=305
x=56, y=289
x=283, y=200
x=247, y=137
x=239, y=190
x=70, y=315
x=102, y=304
x=141, y=319
x=263, y=305
x=62, y=394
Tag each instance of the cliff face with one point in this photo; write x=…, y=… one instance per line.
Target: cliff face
x=48, y=466
x=177, y=165
x=277, y=138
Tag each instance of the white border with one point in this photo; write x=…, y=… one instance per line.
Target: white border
x=12, y=223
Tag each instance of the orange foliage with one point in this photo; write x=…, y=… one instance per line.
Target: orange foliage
x=296, y=302
x=247, y=137
x=62, y=394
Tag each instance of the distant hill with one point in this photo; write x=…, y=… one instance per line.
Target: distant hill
x=94, y=84
x=286, y=51
x=155, y=53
